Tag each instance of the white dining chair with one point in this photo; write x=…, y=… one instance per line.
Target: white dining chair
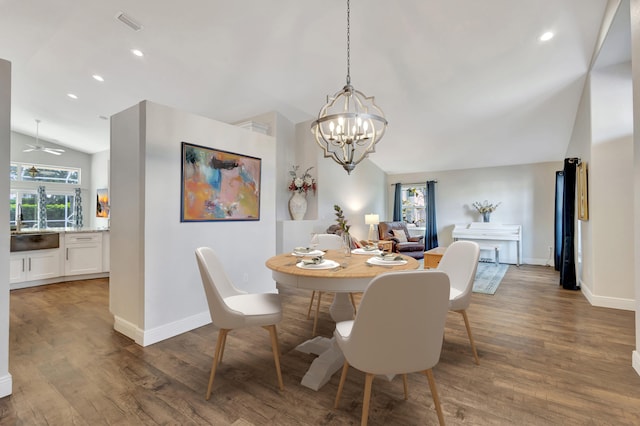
x=232, y=308
x=460, y=262
x=324, y=242
x=397, y=330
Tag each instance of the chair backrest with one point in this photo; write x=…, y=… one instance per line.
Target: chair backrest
x=217, y=285
x=460, y=262
x=328, y=241
x=400, y=323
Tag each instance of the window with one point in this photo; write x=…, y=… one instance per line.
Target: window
x=43, y=173
x=413, y=204
x=60, y=209
x=60, y=193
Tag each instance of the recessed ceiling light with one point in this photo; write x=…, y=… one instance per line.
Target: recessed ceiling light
x=137, y=52
x=72, y=96
x=546, y=36
x=98, y=77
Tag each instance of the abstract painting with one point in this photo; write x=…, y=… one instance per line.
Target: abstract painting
x=102, y=203
x=219, y=185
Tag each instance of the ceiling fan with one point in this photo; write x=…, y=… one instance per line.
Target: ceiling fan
x=38, y=147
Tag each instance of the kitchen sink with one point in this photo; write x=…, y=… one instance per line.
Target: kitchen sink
x=34, y=241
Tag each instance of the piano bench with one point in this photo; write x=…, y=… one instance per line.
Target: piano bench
x=495, y=249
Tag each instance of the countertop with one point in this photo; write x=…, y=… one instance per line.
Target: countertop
x=58, y=230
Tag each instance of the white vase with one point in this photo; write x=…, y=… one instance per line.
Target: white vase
x=298, y=205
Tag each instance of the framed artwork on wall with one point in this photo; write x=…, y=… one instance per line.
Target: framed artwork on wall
x=102, y=202
x=218, y=185
x=583, y=192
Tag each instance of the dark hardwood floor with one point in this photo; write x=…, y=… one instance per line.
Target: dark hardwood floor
x=546, y=358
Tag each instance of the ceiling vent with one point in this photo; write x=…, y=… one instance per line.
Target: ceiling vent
x=128, y=21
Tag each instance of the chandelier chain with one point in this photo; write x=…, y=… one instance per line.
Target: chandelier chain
x=348, y=44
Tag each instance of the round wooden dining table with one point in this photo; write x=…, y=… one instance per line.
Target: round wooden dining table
x=351, y=274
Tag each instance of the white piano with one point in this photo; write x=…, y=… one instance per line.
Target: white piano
x=486, y=232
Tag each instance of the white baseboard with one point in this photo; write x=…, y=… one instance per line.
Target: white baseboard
x=163, y=332
x=635, y=361
x=129, y=329
x=607, y=302
x=6, y=385
x=167, y=331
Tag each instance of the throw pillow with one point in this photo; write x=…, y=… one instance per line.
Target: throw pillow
x=400, y=235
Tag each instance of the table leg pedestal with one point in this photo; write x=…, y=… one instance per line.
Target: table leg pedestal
x=323, y=367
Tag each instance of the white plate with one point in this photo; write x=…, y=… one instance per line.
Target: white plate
x=378, y=261
x=363, y=251
x=326, y=264
x=311, y=253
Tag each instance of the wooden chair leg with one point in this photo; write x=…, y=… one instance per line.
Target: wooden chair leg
x=315, y=320
x=224, y=343
x=473, y=345
x=434, y=394
x=406, y=386
x=313, y=294
x=368, y=381
x=343, y=377
x=353, y=302
x=222, y=336
x=276, y=352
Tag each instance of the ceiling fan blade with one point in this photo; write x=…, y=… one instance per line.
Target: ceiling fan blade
x=28, y=150
x=52, y=151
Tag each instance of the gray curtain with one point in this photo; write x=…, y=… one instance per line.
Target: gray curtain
x=77, y=201
x=42, y=207
x=431, y=231
x=397, y=203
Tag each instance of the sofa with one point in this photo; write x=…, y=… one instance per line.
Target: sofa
x=394, y=231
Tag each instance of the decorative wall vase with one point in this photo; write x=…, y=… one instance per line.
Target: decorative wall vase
x=486, y=216
x=298, y=205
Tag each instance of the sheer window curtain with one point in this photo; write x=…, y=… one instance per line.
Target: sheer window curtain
x=431, y=231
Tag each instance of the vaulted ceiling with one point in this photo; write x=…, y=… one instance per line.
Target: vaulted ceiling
x=463, y=83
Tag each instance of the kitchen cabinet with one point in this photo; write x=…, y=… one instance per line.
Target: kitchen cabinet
x=83, y=253
x=34, y=265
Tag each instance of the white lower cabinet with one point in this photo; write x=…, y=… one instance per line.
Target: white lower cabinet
x=34, y=265
x=83, y=253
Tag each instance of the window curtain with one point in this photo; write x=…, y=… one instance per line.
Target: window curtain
x=397, y=203
x=568, y=265
x=557, y=232
x=431, y=231
x=77, y=208
x=42, y=207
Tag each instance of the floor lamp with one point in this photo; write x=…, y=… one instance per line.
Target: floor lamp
x=372, y=220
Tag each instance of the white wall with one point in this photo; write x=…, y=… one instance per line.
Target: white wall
x=635, y=52
x=165, y=273
x=358, y=194
x=602, y=138
x=525, y=191
x=99, y=180
x=5, y=154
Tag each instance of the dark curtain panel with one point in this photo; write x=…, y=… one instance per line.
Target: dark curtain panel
x=558, y=221
x=397, y=203
x=431, y=231
x=568, y=265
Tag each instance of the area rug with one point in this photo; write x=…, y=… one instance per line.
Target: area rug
x=488, y=277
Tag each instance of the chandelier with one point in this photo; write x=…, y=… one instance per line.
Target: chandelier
x=350, y=124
